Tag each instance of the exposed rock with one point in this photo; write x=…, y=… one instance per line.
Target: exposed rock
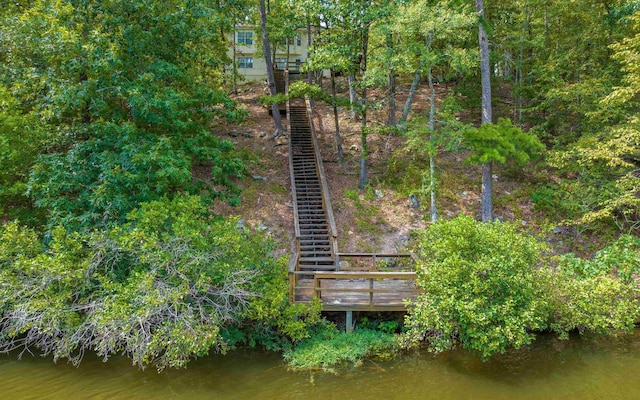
x=389, y=261
x=248, y=135
x=404, y=240
x=464, y=195
x=379, y=194
x=262, y=134
x=261, y=227
x=259, y=178
x=414, y=201
x=240, y=225
x=494, y=177
x=281, y=140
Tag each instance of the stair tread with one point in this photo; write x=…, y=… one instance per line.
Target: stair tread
x=318, y=260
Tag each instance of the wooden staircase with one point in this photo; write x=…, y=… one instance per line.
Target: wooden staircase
x=315, y=270
x=316, y=237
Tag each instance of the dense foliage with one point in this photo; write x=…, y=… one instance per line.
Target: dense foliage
x=488, y=287
x=162, y=288
x=597, y=295
x=109, y=104
x=480, y=287
x=105, y=108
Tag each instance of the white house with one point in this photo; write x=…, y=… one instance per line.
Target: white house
x=253, y=67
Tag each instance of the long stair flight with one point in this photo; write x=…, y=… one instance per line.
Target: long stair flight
x=316, y=251
x=341, y=281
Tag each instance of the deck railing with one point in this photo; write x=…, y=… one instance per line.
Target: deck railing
x=291, y=174
x=375, y=261
x=363, y=291
x=326, y=199
x=369, y=282
x=293, y=66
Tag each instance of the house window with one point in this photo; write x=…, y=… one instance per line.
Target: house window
x=245, y=62
x=298, y=40
x=245, y=37
x=281, y=63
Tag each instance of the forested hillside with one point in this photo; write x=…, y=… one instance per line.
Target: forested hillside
x=115, y=150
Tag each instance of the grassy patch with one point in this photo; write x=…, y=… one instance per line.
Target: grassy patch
x=330, y=349
x=366, y=213
x=404, y=174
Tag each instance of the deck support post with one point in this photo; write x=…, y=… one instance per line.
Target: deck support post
x=349, y=321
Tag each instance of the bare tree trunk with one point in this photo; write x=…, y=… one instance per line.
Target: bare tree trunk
x=412, y=92
x=364, y=154
x=353, y=96
x=270, y=77
x=309, y=73
x=432, y=148
x=335, y=115
x=392, y=87
x=235, y=65
x=519, y=77
x=392, y=98
x=485, y=73
x=286, y=66
x=365, y=148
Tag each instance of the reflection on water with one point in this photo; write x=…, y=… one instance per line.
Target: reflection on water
x=580, y=368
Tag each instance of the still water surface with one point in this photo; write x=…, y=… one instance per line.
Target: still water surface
x=550, y=369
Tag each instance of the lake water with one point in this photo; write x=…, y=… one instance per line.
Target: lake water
x=580, y=368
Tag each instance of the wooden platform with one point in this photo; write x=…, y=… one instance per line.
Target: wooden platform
x=358, y=291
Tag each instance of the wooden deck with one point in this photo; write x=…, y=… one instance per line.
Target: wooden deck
x=361, y=282
x=358, y=291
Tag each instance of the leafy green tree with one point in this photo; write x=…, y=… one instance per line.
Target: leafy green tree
x=502, y=141
x=491, y=143
x=430, y=29
x=346, y=45
x=127, y=92
x=610, y=157
x=556, y=68
x=22, y=137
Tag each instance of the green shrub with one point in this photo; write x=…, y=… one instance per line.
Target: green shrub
x=480, y=284
x=598, y=295
x=163, y=288
x=600, y=304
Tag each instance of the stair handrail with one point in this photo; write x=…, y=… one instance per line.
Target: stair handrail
x=293, y=265
x=326, y=199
